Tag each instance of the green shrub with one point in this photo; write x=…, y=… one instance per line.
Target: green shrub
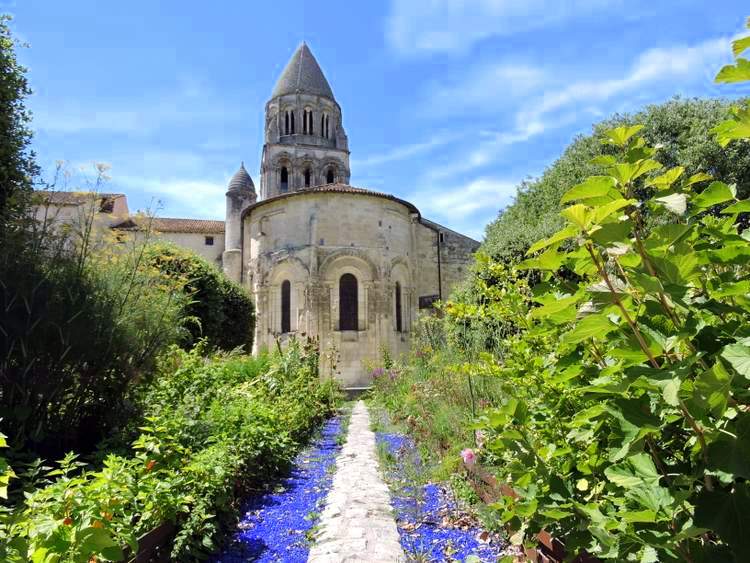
x=215, y=427
x=221, y=311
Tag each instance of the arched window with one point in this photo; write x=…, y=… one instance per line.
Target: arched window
x=328, y=136
x=305, y=122
x=399, y=318
x=348, y=318
x=286, y=305
x=286, y=123
x=292, y=121
x=329, y=176
x=307, y=177
x=322, y=125
x=284, y=179
x=309, y=121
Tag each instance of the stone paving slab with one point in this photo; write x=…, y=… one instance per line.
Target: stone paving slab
x=357, y=523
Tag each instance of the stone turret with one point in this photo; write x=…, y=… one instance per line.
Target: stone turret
x=305, y=142
x=240, y=194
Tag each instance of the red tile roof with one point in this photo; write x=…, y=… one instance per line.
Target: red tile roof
x=73, y=198
x=173, y=225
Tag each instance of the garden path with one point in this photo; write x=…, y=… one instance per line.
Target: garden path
x=357, y=523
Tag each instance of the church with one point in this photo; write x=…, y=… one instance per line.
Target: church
x=350, y=267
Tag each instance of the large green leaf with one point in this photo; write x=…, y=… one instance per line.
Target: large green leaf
x=697, y=178
x=601, y=212
x=740, y=45
x=633, y=421
x=728, y=515
x=734, y=129
x=738, y=355
x=739, y=72
x=715, y=193
x=665, y=236
x=635, y=470
x=559, y=236
x=731, y=454
x=593, y=186
x=711, y=389
x=626, y=172
x=556, y=306
x=578, y=214
x=612, y=232
x=619, y=136
x=679, y=267
x=99, y=541
x=739, y=207
x=731, y=254
x=665, y=181
x=593, y=325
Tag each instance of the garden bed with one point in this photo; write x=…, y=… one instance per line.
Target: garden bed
x=277, y=523
x=432, y=524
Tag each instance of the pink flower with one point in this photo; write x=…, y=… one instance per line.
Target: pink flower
x=469, y=457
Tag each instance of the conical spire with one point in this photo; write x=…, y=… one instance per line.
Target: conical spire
x=241, y=181
x=302, y=74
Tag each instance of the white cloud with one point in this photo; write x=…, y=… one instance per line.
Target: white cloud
x=656, y=73
x=674, y=65
x=455, y=25
x=461, y=205
x=202, y=199
x=487, y=88
x=404, y=151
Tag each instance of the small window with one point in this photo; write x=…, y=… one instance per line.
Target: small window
x=291, y=120
x=209, y=241
x=107, y=205
x=399, y=314
x=329, y=176
x=307, y=177
x=328, y=135
x=286, y=306
x=284, y=186
x=322, y=125
x=348, y=315
x=442, y=238
x=286, y=123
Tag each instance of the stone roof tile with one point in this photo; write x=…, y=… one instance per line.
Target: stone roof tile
x=241, y=181
x=302, y=74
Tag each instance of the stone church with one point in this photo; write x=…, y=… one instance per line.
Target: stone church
x=348, y=266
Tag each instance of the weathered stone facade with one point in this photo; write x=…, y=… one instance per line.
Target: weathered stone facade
x=348, y=266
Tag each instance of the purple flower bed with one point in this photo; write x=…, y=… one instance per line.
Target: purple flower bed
x=274, y=523
x=430, y=525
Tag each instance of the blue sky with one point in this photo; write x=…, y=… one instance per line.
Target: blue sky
x=447, y=103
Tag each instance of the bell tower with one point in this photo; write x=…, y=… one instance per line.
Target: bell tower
x=305, y=142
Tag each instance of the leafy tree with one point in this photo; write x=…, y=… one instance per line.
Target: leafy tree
x=680, y=128
x=220, y=310
x=16, y=159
